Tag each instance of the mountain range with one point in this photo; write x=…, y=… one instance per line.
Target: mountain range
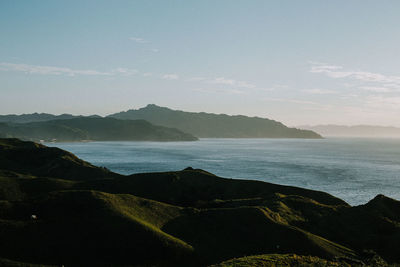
x=37, y=117
x=56, y=209
x=164, y=124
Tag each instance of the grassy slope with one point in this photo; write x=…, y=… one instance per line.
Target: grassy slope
x=219, y=234
x=91, y=227
x=375, y=225
x=218, y=218
x=281, y=260
x=275, y=260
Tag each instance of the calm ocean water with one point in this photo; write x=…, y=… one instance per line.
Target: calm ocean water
x=354, y=169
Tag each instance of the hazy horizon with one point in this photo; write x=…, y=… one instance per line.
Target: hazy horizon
x=305, y=126
x=300, y=63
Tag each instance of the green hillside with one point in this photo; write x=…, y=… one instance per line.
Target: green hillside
x=56, y=209
x=98, y=129
x=215, y=125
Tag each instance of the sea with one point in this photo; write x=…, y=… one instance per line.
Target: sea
x=353, y=169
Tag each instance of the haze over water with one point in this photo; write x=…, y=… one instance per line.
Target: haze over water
x=354, y=169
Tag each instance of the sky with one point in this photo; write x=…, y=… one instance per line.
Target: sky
x=299, y=62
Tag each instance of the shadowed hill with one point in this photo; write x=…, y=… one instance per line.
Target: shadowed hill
x=219, y=234
x=375, y=225
x=38, y=160
x=215, y=125
x=197, y=187
x=85, y=215
x=92, y=228
x=97, y=129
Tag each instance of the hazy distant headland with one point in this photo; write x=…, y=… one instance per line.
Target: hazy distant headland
x=151, y=123
x=354, y=131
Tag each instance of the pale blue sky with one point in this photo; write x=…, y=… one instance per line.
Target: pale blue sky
x=299, y=62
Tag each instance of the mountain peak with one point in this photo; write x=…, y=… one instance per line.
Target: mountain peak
x=153, y=107
x=381, y=200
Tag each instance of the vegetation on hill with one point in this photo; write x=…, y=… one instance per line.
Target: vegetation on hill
x=215, y=125
x=275, y=260
x=98, y=129
x=57, y=209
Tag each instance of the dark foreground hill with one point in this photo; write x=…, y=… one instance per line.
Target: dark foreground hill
x=215, y=125
x=57, y=209
x=97, y=129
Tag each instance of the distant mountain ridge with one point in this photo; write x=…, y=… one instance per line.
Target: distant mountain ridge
x=97, y=129
x=209, y=125
x=354, y=131
x=36, y=117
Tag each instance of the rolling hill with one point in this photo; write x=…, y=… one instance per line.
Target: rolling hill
x=58, y=209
